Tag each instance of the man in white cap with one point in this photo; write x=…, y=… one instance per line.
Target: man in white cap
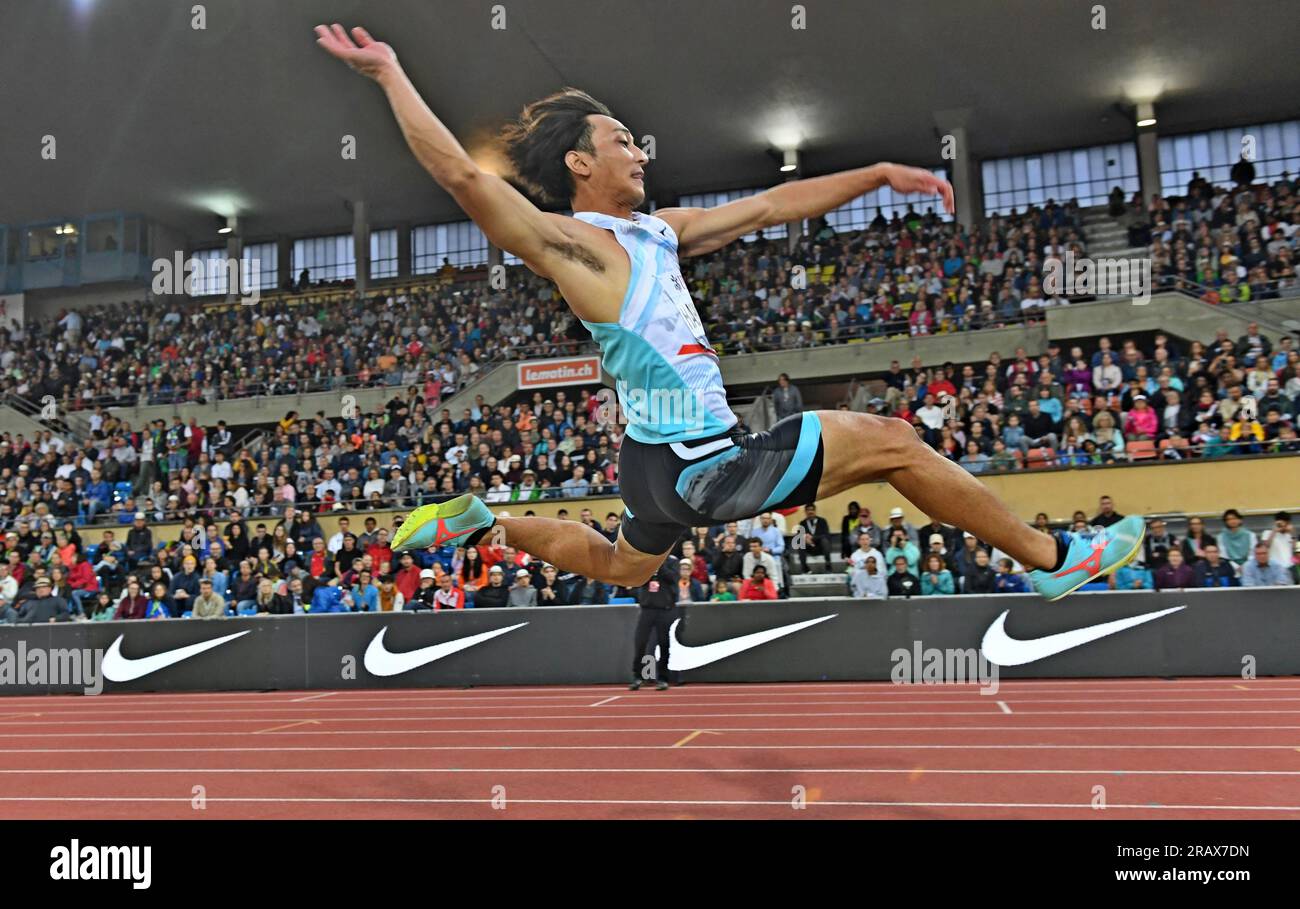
x=425, y=594
x=896, y=522
x=523, y=593
x=495, y=594
x=139, y=541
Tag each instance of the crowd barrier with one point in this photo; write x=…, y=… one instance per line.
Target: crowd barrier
x=1243, y=632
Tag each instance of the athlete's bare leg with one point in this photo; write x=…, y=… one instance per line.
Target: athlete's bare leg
x=576, y=547
x=858, y=448
x=865, y=448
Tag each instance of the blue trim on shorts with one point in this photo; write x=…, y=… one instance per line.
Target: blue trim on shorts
x=810, y=433
x=684, y=478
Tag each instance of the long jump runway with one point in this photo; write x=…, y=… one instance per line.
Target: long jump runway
x=1116, y=748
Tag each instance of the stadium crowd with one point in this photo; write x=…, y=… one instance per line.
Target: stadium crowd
x=290, y=566
x=1227, y=245
x=910, y=273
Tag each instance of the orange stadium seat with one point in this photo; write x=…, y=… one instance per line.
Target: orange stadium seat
x=1141, y=449
x=1041, y=457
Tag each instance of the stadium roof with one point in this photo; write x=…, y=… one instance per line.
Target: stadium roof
x=246, y=117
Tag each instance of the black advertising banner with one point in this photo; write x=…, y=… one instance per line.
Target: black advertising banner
x=1184, y=633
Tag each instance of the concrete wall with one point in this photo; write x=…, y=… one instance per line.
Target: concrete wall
x=14, y=423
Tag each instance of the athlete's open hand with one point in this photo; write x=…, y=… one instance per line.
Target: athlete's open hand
x=364, y=54
x=915, y=180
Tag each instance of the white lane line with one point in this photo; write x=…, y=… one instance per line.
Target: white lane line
x=313, y=697
x=12, y=724
x=620, y=731
x=780, y=803
x=642, y=705
x=794, y=747
x=889, y=770
x=1004, y=707
x=607, y=700
x=727, y=689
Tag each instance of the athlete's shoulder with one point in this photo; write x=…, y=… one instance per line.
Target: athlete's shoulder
x=640, y=225
x=658, y=227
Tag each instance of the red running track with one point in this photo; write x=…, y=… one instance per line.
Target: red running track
x=1142, y=748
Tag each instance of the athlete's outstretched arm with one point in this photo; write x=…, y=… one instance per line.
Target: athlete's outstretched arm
x=702, y=230
x=508, y=219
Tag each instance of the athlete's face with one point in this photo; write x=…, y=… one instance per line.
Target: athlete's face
x=617, y=170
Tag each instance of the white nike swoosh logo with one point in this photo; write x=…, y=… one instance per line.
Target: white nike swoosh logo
x=692, y=454
x=1004, y=650
x=683, y=656
x=379, y=660
x=117, y=668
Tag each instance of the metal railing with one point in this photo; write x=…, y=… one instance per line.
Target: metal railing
x=1192, y=453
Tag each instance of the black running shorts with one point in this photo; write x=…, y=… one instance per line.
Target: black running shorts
x=670, y=487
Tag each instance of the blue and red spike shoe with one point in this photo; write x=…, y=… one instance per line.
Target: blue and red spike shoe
x=1091, y=556
x=462, y=520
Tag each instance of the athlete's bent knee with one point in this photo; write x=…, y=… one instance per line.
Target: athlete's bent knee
x=629, y=573
x=889, y=434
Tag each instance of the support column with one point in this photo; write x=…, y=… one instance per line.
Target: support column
x=955, y=152
x=794, y=229
x=235, y=253
x=1148, y=147
x=361, y=245
x=404, y=250
x=284, y=262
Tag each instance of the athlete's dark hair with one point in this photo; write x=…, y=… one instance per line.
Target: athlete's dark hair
x=537, y=142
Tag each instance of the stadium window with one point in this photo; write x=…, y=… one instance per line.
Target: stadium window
x=212, y=278
x=1085, y=174
x=713, y=200
x=260, y=266
x=460, y=242
x=1213, y=153
x=257, y=264
x=326, y=258
x=857, y=214
x=383, y=253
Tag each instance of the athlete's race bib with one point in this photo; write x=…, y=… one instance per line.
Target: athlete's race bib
x=675, y=288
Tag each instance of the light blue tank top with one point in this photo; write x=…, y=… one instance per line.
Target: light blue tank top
x=668, y=381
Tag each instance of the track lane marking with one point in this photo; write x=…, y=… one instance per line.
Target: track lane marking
x=288, y=726
x=783, y=803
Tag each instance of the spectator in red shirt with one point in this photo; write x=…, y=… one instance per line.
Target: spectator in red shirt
x=758, y=586
x=82, y=580
x=407, y=577
x=941, y=386
x=319, y=563
x=699, y=567
x=380, y=552
x=17, y=570
x=448, y=596
x=133, y=604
